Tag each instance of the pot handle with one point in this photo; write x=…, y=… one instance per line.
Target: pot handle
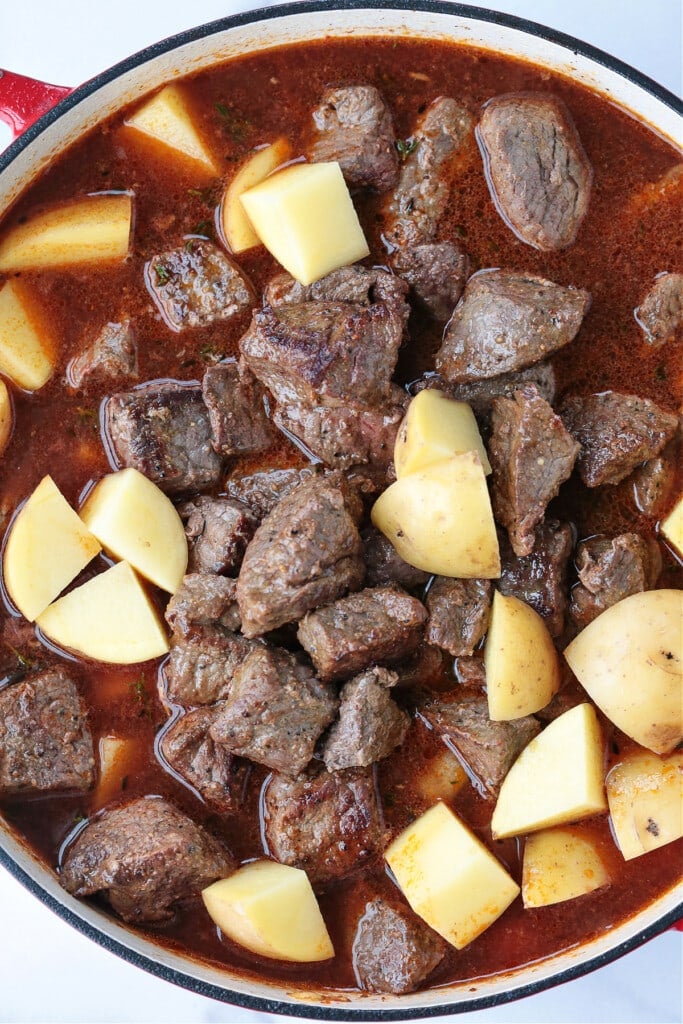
x=23, y=100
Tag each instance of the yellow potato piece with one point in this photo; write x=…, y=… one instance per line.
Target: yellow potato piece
x=439, y=519
x=630, y=662
x=435, y=428
x=27, y=348
x=116, y=756
x=672, y=527
x=95, y=229
x=110, y=618
x=440, y=778
x=237, y=230
x=560, y=865
x=449, y=877
x=135, y=521
x=305, y=217
x=167, y=119
x=557, y=779
x=271, y=909
x=645, y=795
x=522, y=666
x=6, y=416
x=47, y=547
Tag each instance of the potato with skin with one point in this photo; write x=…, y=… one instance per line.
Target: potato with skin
x=630, y=662
x=645, y=796
x=27, y=347
x=166, y=118
x=6, y=416
x=560, y=865
x=271, y=909
x=435, y=428
x=671, y=528
x=235, y=224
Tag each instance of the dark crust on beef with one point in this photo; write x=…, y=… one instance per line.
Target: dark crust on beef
x=112, y=354
x=217, y=775
x=237, y=412
x=459, y=612
x=540, y=578
x=201, y=665
x=204, y=599
x=660, y=314
x=393, y=950
x=436, y=273
x=370, y=724
x=262, y=491
x=385, y=566
x=197, y=285
x=218, y=531
x=361, y=285
x=609, y=570
x=354, y=127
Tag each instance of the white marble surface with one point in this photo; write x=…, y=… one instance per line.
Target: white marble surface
x=48, y=972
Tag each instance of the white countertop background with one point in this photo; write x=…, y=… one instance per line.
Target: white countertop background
x=48, y=971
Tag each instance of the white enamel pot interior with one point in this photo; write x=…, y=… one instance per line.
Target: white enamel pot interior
x=96, y=100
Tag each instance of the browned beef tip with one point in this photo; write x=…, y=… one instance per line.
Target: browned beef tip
x=198, y=285
x=204, y=599
x=370, y=724
x=505, y=322
x=436, y=273
x=660, y=314
x=538, y=172
x=45, y=742
x=353, y=126
x=113, y=353
x=361, y=285
x=164, y=433
x=275, y=712
x=218, y=776
x=610, y=570
x=374, y=625
x=218, y=531
x=488, y=748
x=263, y=490
x=144, y=856
x=654, y=481
x=306, y=552
x=423, y=668
x=471, y=672
x=237, y=413
x=540, y=578
x=459, y=613
x=531, y=454
x=616, y=433
x=385, y=565
x=328, y=824
x=201, y=665
x=393, y=950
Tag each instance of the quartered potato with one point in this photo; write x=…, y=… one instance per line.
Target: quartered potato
x=645, y=795
x=237, y=229
x=435, y=428
x=6, y=416
x=560, y=865
x=27, y=348
x=167, y=119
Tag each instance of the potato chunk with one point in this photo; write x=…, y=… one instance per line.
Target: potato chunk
x=435, y=428
x=27, y=349
x=47, y=547
x=439, y=519
x=305, y=217
x=557, y=779
x=630, y=661
x=116, y=758
x=237, y=230
x=6, y=416
x=95, y=229
x=271, y=909
x=135, y=521
x=440, y=778
x=449, y=878
x=560, y=865
x=167, y=119
x=645, y=795
x=671, y=528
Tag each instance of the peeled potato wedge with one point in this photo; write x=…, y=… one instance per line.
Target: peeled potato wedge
x=6, y=416
x=645, y=795
x=116, y=756
x=167, y=119
x=560, y=865
x=27, y=348
x=235, y=224
x=435, y=428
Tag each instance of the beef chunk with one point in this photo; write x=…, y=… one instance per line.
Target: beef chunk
x=327, y=824
x=198, y=285
x=531, y=454
x=204, y=599
x=538, y=172
x=488, y=748
x=45, y=742
x=237, y=413
x=616, y=432
x=262, y=491
x=393, y=950
x=164, y=433
x=459, y=613
x=201, y=665
x=471, y=672
x=218, y=531
x=113, y=353
x=371, y=626
x=306, y=553
x=370, y=724
x=660, y=314
x=480, y=394
x=610, y=570
x=353, y=126
x=540, y=578
x=361, y=285
x=436, y=273
x=275, y=712
x=385, y=565
x=423, y=668
x=505, y=322
x=144, y=856
x=654, y=481
x=218, y=776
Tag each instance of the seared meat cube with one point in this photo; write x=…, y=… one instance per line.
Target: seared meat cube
x=201, y=665
x=204, y=599
x=370, y=725
x=384, y=624
x=218, y=531
x=654, y=481
x=306, y=553
x=538, y=172
x=262, y=491
x=198, y=285
x=353, y=126
x=531, y=455
x=113, y=353
x=164, y=433
x=144, y=856
x=471, y=672
x=361, y=285
x=508, y=321
x=459, y=613
x=436, y=273
x=385, y=565
x=327, y=824
x=218, y=776
x=540, y=578
x=237, y=413
x=423, y=668
x=480, y=394
x=45, y=742
x=616, y=432
x=275, y=712
x=393, y=950
x=610, y=570
x=660, y=314
x=488, y=748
